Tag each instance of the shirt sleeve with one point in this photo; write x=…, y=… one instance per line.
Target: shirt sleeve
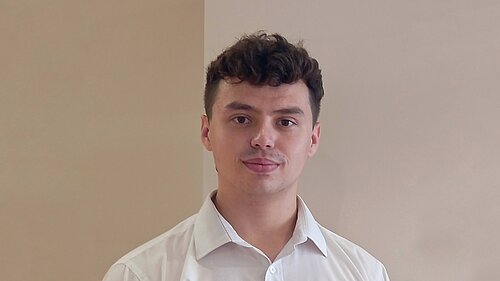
x=120, y=272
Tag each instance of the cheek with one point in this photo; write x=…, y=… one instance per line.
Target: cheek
x=297, y=151
x=226, y=153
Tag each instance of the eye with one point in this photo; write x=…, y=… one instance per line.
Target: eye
x=286, y=123
x=241, y=120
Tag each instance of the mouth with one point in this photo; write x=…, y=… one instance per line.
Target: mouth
x=261, y=165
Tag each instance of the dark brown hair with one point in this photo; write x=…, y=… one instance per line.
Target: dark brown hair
x=262, y=59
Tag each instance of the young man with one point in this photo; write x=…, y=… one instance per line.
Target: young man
x=262, y=101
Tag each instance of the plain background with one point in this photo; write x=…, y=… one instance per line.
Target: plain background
x=99, y=117
x=99, y=128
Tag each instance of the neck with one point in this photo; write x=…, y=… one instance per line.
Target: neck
x=265, y=221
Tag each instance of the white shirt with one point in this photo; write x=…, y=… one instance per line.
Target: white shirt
x=205, y=247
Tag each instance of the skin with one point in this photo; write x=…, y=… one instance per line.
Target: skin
x=261, y=137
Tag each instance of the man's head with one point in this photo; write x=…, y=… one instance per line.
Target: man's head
x=262, y=102
x=261, y=59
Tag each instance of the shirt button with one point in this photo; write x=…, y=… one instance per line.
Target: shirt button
x=272, y=269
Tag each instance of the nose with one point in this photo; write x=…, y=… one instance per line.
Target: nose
x=264, y=137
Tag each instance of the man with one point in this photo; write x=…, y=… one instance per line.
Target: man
x=262, y=102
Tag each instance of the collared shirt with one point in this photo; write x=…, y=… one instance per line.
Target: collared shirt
x=205, y=247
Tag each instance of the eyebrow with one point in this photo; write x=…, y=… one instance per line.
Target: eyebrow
x=239, y=106
x=294, y=110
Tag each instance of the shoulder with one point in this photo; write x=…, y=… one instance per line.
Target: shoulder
x=171, y=242
x=353, y=255
x=152, y=256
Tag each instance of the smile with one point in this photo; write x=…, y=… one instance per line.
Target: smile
x=261, y=165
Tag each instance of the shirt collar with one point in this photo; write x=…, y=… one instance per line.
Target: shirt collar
x=211, y=230
x=307, y=227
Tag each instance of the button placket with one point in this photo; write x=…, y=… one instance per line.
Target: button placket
x=274, y=272
x=272, y=269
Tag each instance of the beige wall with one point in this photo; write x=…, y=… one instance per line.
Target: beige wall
x=410, y=158
x=99, y=117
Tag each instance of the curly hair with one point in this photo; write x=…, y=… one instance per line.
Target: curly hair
x=262, y=59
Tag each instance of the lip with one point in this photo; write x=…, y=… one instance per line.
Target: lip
x=261, y=165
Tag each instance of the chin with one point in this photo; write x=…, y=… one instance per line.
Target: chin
x=264, y=188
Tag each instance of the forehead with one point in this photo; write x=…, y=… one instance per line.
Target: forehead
x=263, y=97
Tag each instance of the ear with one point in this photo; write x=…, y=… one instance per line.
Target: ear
x=205, y=129
x=314, y=139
